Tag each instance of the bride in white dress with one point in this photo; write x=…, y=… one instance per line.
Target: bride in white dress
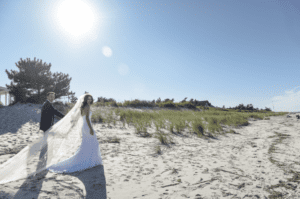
x=73, y=134
x=88, y=155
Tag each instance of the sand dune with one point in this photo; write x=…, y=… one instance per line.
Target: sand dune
x=242, y=165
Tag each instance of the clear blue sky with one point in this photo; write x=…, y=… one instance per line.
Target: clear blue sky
x=228, y=52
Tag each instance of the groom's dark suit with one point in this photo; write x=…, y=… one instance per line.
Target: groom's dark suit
x=47, y=116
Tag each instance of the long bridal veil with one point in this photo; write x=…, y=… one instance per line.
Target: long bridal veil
x=59, y=142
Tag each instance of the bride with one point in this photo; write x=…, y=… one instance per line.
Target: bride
x=68, y=146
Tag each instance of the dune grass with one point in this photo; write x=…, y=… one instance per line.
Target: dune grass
x=176, y=121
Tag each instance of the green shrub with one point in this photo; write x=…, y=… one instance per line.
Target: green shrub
x=113, y=104
x=168, y=104
x=187, y=105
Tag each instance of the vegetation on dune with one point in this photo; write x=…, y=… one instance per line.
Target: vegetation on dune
x=174, y=120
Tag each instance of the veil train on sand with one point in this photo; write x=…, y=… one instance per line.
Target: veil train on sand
x=59, y=143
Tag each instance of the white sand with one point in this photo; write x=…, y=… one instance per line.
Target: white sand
x=231, y=165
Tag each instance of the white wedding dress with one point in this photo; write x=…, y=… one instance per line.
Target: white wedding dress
x=87, y=156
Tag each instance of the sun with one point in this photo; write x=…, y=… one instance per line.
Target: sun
x=75, y=17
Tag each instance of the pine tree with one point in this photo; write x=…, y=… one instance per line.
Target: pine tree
x=18, y=92
x=60, y=86
x=34, y=80
x=73, y=99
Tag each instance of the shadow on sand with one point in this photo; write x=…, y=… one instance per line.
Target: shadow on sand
x=92, y=183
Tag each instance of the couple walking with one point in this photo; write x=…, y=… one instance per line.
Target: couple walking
x=59, y=141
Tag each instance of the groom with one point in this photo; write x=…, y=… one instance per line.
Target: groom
x=48, y=112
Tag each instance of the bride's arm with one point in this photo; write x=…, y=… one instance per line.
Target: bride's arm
x=88, y=118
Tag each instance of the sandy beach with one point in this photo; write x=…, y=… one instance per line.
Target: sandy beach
x=251, y=163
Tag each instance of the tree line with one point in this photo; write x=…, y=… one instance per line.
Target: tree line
x=34, y=80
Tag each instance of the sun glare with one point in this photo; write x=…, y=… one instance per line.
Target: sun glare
x=107, y=52
x=75, y=17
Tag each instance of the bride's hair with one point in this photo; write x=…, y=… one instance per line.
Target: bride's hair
x=84, y=103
